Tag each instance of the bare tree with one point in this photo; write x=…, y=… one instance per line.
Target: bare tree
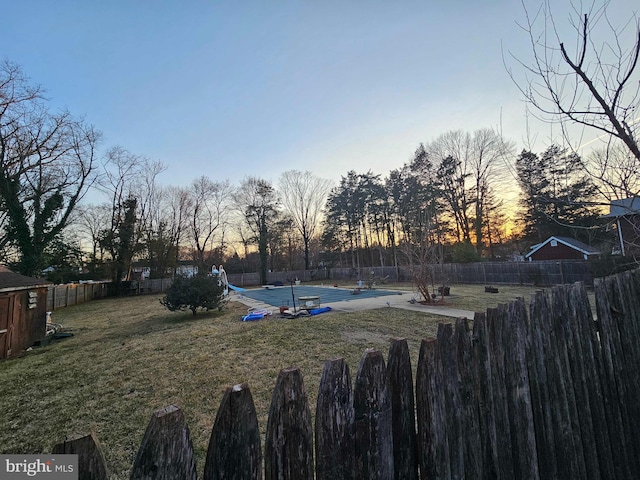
x=615, y=172
x=47, y=164
x=467, y=169
x=210, y=202
x=176, y=205
x=258, y=201
x=91, y=221
x=303, y=196
x=488, y=152
x=150, y=195
x=119, y=182
x=594, y=85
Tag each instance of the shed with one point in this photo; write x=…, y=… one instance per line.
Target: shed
x=561, y=248
x=23, y=311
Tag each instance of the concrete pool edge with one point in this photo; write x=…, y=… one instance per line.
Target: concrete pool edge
x=400, y=299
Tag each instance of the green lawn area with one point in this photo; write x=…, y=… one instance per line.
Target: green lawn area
x=130, y=357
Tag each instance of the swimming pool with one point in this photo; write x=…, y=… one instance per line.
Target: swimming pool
x=279, y=296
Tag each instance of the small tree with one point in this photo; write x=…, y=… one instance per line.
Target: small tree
x=193, y=293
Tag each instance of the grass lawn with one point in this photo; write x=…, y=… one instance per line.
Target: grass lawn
x=475, y=299
x=129, y=357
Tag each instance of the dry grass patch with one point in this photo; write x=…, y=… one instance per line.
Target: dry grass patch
x=474, y=298
x=130, y=357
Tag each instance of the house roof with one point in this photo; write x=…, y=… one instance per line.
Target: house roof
x=10, y=281
x=625, y=206
x=569, y=242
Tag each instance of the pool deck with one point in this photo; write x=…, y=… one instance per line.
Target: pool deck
x=401, y=301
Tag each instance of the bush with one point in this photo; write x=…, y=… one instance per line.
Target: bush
x=193, y=293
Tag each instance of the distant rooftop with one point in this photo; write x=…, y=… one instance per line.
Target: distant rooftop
x=625, y=206
x=570, y=242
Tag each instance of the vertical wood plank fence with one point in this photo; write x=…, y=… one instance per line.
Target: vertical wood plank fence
x=537, y=391
x=59, y=296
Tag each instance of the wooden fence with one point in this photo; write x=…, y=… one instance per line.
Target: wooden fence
x=535, y=392
x=555, y=272
x=59, y=296
x=488, y=273
x=69, y=294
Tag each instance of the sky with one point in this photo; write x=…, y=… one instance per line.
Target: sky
x=239, y=88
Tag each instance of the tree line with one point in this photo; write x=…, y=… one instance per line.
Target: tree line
x=446, y=203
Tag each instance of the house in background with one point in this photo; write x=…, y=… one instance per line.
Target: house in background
x=141, y=270
x=626, y=215
x=561, y=248
x=186, y=268
x=23, y=311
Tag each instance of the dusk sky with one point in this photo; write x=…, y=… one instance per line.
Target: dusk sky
x=230, y=89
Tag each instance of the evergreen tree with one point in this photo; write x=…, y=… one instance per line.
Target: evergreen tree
x=557, y=195
x=192, y=293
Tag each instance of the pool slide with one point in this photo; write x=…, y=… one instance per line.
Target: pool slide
x=220, y=272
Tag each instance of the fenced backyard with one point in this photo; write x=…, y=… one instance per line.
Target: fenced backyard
x=537, y=391
x=68, y=294
x=488, y=273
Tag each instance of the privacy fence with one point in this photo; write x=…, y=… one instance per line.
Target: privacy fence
x=537, y=391
x=69, y=294
x=555, y=272
x=489, y=273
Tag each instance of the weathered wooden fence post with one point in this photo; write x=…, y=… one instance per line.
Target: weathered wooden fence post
x=166, y=452
x=539, y=386
x=558, y=441
x=91, y=464
x=560, y=317
x=500, y=429
x=627, y=292
x=405, y=460
x=576, y=330
x=470, y=400
x=452, y=418
x=523, y=439
x=483, y=394
x=432, y=465
x=335, y=424
x=372, y=406
x=589, y=359
x=289, y=439
x=234, y=448
x=611, y=319
x=629, y=284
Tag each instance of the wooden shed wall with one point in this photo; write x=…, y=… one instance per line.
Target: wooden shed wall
x=559, y=252
x=24, y=325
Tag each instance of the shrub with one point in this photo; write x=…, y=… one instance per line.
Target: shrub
x=193, y=293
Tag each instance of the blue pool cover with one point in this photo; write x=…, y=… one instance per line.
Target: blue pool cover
x=280, y=296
